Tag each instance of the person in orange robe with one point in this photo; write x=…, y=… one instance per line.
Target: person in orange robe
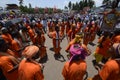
x=62, y=29
x=86, y=31
x=111, y=69
x=31, y=34
x=14, y=45
x=49, y=26
x=92, y=32
x=56, y=38
x=8, y=62
x=71, y=33
x=53, y=24
x=101, y=53
x=76, y=67
x=79, y=25
x=27, y=23
x=40, y=42
x=67, y=26
x=29, y=69
x=78, y=39
x=39, y=26
x=74, y=70
x=116, y=37
x=6, y=36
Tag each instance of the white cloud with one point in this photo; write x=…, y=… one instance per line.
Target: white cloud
x=65, y=3
x=98, y=2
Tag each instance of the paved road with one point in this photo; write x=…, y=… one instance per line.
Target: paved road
x=53, y=67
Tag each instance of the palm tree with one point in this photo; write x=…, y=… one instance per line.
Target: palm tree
x=21, y=2
x=70, y=5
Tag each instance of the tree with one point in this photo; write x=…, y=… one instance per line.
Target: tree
x=105, y=1
x=30, y=5
x=91, y=3
x=80, y=5
x=70, y=5
x=73, y=6
x=77, y=6
x=21, y=2
x=65, y=7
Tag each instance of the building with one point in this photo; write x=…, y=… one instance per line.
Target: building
x=13, y=8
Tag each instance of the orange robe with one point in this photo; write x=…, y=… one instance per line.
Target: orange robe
x=56, y=42
x=7, y=37
x=67, y=27
x=86, y=37
x=110, y=71
x=116, y=39
x=62, y=30
x=71, y=34
x=40, y=27
x=92, y=34
x=79, y=26
x=31, y=34
x=105, y=46
x=40, y=41
x=49, y=27
x=6, y=65
x=53, y=26
x=74, y=70
x=30, y=71
x=14, y=45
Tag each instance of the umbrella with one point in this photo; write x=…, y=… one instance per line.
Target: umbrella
x=13, y=21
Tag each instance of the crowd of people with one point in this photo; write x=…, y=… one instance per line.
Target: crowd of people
x=23, y=48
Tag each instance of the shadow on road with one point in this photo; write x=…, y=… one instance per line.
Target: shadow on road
x=92, y=44
x=44, y=59
x=59, y=57
x=51, y=49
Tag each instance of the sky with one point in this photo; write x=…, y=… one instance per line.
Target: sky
x=44, y=3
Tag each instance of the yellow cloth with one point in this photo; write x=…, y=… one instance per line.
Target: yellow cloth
x=98, y=57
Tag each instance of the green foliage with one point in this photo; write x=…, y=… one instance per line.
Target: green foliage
x=70, y=5
x=20, y=2
x=81, y=4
